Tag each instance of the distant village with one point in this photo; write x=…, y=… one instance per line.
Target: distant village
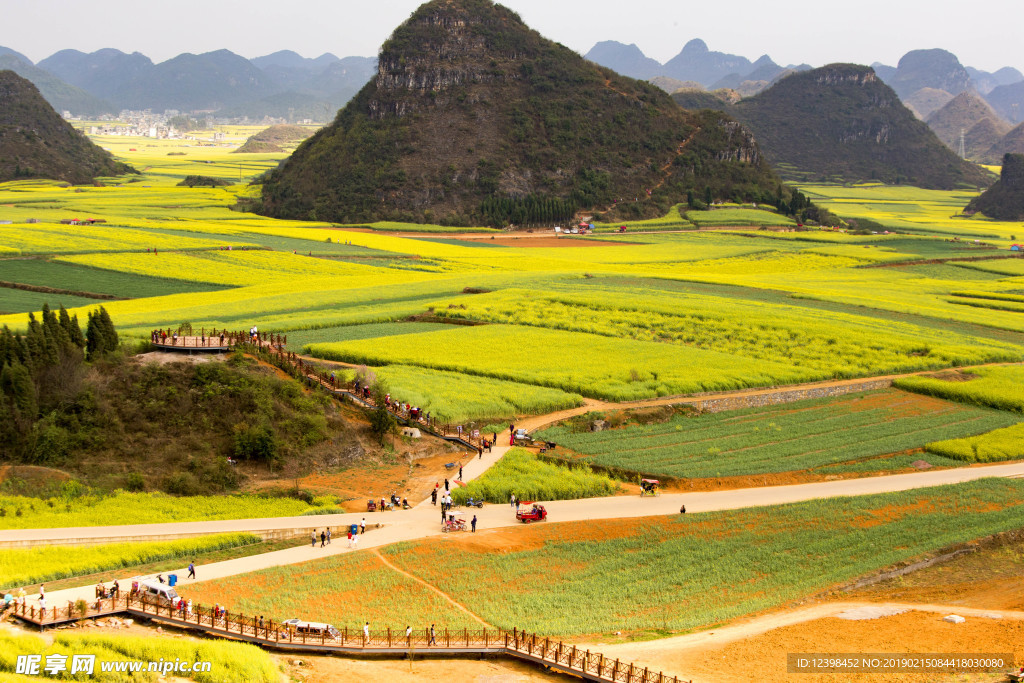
x=147, y=124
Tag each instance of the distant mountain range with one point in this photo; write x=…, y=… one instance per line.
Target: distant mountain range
x=286, y=85
x=696, y=63
x=933, y=84
x=282, y=84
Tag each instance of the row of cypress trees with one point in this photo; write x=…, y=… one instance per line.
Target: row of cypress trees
x=39, y=370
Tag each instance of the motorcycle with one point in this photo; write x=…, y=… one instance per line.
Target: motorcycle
x=474, y=503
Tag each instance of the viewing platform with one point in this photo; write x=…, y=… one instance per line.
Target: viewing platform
x=214, y=341
x=194, y=345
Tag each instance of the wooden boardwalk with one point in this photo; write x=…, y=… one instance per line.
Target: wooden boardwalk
x=271, y=635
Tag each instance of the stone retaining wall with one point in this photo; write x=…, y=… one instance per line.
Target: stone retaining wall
x=782, y=395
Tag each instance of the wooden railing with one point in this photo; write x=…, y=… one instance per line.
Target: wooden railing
x=269, y=633
x=216, y=339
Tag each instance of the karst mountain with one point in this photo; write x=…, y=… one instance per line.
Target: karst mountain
x=473, y=117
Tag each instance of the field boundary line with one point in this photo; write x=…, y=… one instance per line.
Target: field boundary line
x=431, y=587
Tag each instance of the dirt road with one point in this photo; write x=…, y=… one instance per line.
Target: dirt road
x=385, y=528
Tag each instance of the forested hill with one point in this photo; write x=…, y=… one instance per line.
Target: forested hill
x=473, y=116
x=841, y=122
x=1004, y=201
x=35, y=142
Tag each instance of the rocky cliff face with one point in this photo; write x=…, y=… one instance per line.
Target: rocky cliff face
x=474, y=117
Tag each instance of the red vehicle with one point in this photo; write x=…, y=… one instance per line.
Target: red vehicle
x=536, y=513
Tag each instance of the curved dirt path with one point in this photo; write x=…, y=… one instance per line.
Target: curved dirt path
x=747, y=628
x=433, y=588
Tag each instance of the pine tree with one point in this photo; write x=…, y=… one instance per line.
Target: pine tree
x=70, y=326
x=110, y=338
x=93, y=337
x=16, y=384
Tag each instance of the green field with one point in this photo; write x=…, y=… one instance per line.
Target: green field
x=22, y=301
x=826, y=435
x=56, y=275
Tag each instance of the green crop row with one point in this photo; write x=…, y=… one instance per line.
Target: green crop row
x=522, y=473
x=1001, y=444
x=22, y=566
x=798, y=436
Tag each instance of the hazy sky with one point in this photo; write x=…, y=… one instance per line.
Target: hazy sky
x=985, y=34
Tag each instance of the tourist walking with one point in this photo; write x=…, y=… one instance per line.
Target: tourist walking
x=323, y=538
x=433, y=497
x=433, y=640
x=473, y=524
x=355, y=542
x=328, y=535
x=366, y=634
x=192, y=569
x=512, y=500
x=446, y=485
x=312, y=538
x=362, y=526
x=460, y=472
x=408, y=636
